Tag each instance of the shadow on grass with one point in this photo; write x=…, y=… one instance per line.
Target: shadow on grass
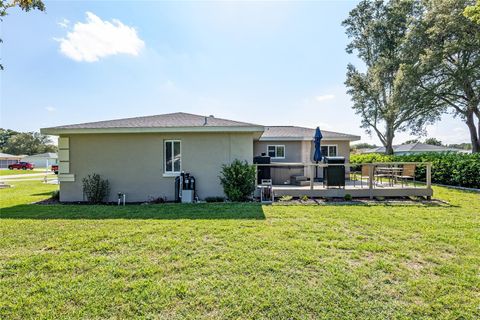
x=251, y=211
x=48, y=193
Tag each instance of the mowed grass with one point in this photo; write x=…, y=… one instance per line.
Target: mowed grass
x=6, y=172
x=238, y=261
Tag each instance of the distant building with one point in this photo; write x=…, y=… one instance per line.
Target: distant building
x=42, y=160
x=412, y=148
x=7, y=159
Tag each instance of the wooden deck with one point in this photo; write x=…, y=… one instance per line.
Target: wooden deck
x=369, y=187
x=356, y=190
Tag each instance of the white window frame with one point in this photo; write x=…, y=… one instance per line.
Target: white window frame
x=171, y=173
x=328, y=149
x=276, y=146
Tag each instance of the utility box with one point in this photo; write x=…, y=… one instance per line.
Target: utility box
x=188, y=196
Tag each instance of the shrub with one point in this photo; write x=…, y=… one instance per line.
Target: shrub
x=304, y=198
x=56, y=194
x=238, y=180
x=156, y=200
x=286, y=198
x=215, y=199
x=95, y=188
x=348, y=197
x=450, y=168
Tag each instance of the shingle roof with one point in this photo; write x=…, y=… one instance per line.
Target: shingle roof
x=6, y=155
x=301, y=133
x=44, y=155
x=413, y=147
x=162, y=121
x=177, y=119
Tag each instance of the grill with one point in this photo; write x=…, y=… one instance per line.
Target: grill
x=263, y=172
x=334, y=176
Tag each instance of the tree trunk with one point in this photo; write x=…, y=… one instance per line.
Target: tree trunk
x=389, y=141
x=473, y=132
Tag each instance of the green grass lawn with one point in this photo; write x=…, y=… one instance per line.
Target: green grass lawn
x=7, y=172
x=238, y=260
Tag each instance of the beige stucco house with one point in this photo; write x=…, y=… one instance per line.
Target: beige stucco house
x=141, y=156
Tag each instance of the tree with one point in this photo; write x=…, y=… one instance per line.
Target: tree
x=25, y=5
x=383, y=96
x=473, y=12
x=433, y=142
x=446, y=46
x=412, y=141
x=363, y=145
x=29, y=143
x=463, y=146
x=5, y=134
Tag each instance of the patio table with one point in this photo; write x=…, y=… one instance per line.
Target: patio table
x=390, y=173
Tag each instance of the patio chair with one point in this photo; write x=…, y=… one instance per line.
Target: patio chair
x=408, y=172
x=364, y=174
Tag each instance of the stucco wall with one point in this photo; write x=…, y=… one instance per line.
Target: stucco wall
x=134, y=163
x=298, y=151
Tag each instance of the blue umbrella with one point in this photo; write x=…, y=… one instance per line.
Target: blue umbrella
x=317, y=155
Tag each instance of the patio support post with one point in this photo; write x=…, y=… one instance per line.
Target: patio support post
x=312, y=169
x=429, y=176
x=370, y=179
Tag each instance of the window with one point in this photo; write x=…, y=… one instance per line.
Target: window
x=277, y=152
x=173, y=156
x=329, y=151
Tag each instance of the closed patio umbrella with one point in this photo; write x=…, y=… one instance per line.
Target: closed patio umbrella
x=317, y=155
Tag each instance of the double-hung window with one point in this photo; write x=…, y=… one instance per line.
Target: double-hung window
x=172, y=156
x=329, y=150
x=276, y=151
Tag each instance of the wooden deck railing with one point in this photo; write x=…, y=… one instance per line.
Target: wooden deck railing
x=371, y=169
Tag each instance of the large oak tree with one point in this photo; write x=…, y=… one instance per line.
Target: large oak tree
x=446, y=47
x=382, y=95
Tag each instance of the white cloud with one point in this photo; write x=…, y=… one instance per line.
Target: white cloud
x=324, y=97
x=97, y=39
x=64, y=23
x=50, y=109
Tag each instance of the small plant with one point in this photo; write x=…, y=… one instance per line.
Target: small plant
x=304, y=197
x=156, y=200
x=215, y=199
x=95, y=188
x=286, y=198
x=238, y=180
x=348, y=197
x=56, y=194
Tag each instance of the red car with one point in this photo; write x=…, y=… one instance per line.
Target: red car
x=21, y=165
x=54, y=168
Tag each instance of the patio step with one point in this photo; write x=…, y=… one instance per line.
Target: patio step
x=303, y=183
x=299, y=180
x=298, y=177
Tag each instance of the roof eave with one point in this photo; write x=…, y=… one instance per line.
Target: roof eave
x=62, y=131
x=347, y=138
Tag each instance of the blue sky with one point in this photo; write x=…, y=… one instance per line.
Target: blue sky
x=272, y=63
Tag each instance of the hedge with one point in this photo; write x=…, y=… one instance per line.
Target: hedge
x=455, y=169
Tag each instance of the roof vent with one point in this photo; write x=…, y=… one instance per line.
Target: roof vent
x=211, y=116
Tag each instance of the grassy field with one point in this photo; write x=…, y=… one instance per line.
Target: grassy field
x=231, y=261
x=7, y=172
